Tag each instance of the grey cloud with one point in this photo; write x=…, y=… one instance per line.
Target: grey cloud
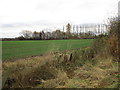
x=10, y=25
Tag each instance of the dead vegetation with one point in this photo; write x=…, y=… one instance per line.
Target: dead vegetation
x=56, y=71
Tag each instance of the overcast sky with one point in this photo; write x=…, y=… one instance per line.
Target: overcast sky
x=37, y=15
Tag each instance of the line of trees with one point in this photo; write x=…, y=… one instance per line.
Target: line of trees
x=42, y=35
x=69, y=33
x=57, y=34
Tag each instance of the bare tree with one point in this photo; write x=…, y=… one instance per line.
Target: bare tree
x=26, y=34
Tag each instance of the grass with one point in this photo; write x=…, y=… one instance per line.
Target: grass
x=43, y=72
x=20, y=49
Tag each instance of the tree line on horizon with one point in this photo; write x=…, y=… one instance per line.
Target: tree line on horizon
x=54, y=35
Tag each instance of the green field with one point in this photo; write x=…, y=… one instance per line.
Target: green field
x=21, y=49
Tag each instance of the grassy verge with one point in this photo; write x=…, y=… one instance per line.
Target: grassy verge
x=69, y=69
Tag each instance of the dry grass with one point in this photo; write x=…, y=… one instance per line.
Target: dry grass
x=23, y=71
x=101, y=75
x=59, y=81
x=52, y=71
